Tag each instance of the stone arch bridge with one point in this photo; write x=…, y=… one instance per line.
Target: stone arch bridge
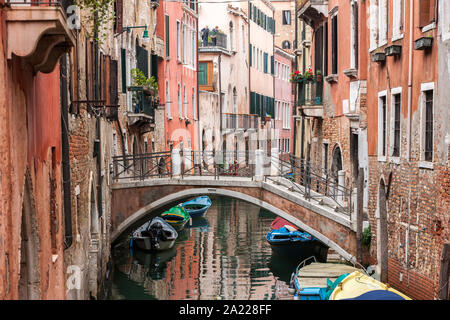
x=134, y=198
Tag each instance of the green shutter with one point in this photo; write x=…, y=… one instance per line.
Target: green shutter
x=142, y=60
x=250, y=54
x=250, y=11
x=202, y=73
x=167, y=36
x=252, y=103
x=266, y=58
x=154, y=66
x=123, y=59
x=272, y=65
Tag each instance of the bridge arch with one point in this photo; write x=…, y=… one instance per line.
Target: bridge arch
x=129, y=222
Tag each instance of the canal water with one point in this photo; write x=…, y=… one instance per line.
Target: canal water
x=223, y=255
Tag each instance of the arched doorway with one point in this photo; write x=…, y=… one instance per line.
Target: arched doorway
x=382, y=233
x=336, y=166
x=94, y=240
x=29, y=274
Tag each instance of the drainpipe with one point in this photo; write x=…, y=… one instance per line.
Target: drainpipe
x=411, y=43
x=197, y=100
x=220, y=91
x=65, y=153
x=98, y=132
x=294, y=105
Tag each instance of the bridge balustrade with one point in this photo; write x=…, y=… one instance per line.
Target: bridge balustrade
x=299, y=175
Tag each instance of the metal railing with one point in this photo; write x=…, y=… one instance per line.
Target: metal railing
x=221, y=41
x=239, y=121
x=310, y=91
x=37, y=3
x=143, y=100
x=142, y=166
x=298, y=175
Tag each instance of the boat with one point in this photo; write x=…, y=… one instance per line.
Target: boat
x=359, y=286
x=289, y=241
x=316, y=281
x=197, y=207
x=177, y=217
x=154, y=235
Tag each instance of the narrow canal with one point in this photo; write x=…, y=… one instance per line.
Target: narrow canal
x=223, y=255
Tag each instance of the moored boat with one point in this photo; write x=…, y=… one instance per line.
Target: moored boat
x=197, y=207
x=288, y=241
x=359, y=286
x=177, y=217
x=154, y=235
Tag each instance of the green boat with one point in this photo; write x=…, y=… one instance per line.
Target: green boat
x=177, y=217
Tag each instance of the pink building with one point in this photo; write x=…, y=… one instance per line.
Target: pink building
x=284, y=99
x=178, y=91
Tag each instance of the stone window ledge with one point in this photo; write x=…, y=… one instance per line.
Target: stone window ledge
x=426, y=165
x=382, y=158
x=395, y=160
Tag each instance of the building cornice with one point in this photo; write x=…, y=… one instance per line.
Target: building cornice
x=284, y=53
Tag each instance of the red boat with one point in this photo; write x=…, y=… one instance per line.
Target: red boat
x=279, y=222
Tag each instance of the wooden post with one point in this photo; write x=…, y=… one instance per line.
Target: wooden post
x=359, y=212
x=444, y=275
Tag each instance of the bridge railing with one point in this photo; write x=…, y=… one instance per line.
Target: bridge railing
x=300, y=175
x=217, y=163
x=313, y=182
x=142, y=166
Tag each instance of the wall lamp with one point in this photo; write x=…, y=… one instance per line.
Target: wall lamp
x=145, y=37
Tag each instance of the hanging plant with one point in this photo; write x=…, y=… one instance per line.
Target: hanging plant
x=97, y=14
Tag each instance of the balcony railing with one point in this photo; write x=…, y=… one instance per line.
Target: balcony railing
x=144, y=102
x=221, y=41
x=239, y=121
x=310, y=91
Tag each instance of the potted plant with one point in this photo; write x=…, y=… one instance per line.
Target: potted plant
x=308, y=74
x=318, y=75
x=296, y=77
x=379, y=56
x=149, y=85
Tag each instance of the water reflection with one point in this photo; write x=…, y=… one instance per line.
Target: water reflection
x=223, y=255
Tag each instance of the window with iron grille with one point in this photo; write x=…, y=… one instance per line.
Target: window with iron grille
x=428, y=125
x=383, y=110
x=397, y=109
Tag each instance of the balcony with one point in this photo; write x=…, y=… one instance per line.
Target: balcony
x=310, y=96
x=38, y=32
x=144, y=102
x=313, y=12
x=231, y=121
x=221, y=43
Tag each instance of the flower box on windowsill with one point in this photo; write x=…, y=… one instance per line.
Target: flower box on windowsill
x=393, y=50
x=379, y=57
x=423, y=43
x=351, y=73
x=331, y=78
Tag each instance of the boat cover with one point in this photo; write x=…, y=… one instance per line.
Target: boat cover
x=378, y=295
x=279, y=222
x=177, y=211
x=169, y=232
x=200, y=201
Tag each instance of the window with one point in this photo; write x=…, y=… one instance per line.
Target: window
x=397, y=19
x=354, y=36
x=168, y=100
x=286, y=44
x=382, y=22
x=286, y=17
x=178, y=40
x=428, y=125
x=382, y=125
x=194, y=107
x=179, y=101
x=396, y=110
x=427, y=12
x=334, y=44
x=266, y=62
x=185, y=102
x=167, y=35
x=184, y=43
x=205, y=73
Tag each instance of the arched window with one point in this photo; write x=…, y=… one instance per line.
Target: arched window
x=286, y=45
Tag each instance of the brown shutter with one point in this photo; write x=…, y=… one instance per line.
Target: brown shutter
x=119, y=13
x=424, y=12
